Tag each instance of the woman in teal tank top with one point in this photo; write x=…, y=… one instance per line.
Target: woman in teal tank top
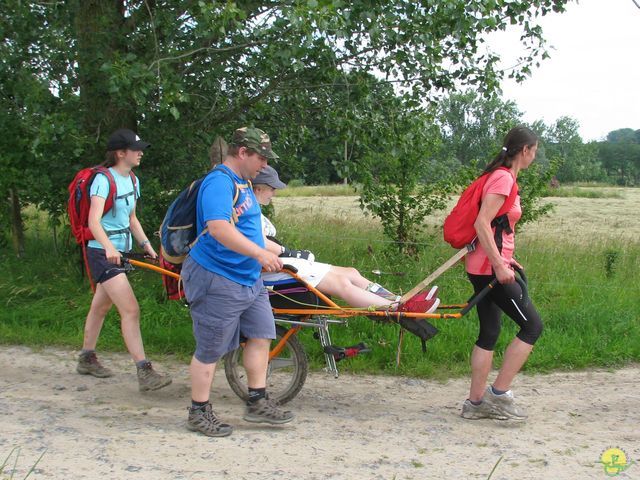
x=114, y=232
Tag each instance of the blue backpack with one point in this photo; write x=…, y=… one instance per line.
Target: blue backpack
x=178, y=231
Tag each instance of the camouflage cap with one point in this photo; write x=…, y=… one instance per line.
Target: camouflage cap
x=256, y=140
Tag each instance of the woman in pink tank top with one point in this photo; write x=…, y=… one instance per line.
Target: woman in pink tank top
x=494, y=259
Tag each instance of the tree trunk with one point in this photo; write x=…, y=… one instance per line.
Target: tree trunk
x=17, y=226
x=54, y=231
x=345, y=181
x=100, y=31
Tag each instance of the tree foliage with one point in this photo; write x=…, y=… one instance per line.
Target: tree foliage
x=181, y=72
x=620, y=156
x=398, y=186
x=577, y=161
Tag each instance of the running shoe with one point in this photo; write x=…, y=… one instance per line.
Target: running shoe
x=504, y=404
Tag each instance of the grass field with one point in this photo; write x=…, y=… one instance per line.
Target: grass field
x=582, y=264
x=318, y=191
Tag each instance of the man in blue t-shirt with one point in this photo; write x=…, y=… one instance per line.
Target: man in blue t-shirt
x=222, y=283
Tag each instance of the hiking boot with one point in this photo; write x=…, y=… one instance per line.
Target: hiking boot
x=88, y=364
x=477, y=412
x=504, y=404
x=149, y=379
x=266, y=411
x=205, y=421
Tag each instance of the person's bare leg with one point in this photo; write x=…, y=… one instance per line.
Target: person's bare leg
x=481, y=361
x=259, y=408
x=119, y=290
x=256, y=360
x=353, y=275
x=100, y=306
x=201, y=379
x=514, y=358
x=341, y=286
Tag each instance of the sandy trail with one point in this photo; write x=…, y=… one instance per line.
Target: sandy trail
x=361, y=427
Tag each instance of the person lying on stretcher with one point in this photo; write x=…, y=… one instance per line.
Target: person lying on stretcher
x=344, y=282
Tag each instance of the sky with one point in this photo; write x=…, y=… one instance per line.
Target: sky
x=593, y=74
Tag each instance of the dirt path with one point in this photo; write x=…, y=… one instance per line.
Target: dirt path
x=355, y=427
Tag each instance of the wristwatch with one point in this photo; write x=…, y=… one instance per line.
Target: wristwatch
x=143, y=243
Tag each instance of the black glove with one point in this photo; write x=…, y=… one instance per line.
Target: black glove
x=304, y=254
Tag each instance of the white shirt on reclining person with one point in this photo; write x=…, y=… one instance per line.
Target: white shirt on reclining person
x=310, y=271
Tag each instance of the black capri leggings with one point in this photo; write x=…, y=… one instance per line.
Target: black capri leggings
x=504, y=298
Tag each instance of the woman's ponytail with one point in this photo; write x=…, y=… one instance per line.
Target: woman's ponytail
x=110, y=159
x=517, y=138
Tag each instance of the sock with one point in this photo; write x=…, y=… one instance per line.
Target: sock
x=198, y=405
x=498, y=392
x=379, y=290
x=143, y=363
x=84, y=352
x=479, y=402
x=256, y=394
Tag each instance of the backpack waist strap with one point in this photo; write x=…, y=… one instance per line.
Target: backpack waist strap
x=127, y=245
x=117, y=232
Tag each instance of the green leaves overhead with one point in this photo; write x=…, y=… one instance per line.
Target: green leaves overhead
x=315, y=73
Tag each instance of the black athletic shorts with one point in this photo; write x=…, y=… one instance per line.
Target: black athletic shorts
x=101, y=269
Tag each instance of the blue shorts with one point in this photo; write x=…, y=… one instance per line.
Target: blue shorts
x=222, y=310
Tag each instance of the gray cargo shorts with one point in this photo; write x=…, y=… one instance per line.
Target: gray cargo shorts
x=222, y=310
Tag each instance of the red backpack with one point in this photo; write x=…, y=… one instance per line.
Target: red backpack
x=458, y=226
x=79, y=202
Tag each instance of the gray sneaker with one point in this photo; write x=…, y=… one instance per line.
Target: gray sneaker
x=205, y=421
x=149, y=379
x=88, y=364
x=504, y=404
x=484, y=410
x=266, y=411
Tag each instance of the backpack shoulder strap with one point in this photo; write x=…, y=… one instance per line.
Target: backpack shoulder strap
x=113, y=189
x=236, y=187
x=236, y=195
x=134, y=181
x=510, y=200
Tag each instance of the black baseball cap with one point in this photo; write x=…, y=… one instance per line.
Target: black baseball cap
x=125, y=139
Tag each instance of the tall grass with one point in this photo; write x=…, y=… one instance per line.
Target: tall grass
x=587, y=296
x=337, y=190
x=10, y=475
x=585, y=192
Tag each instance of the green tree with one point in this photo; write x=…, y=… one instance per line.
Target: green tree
x=620, y=156
x=577, y=161
x=472, y=124
x=395, y=188
x=183, y=71
x=36, y=112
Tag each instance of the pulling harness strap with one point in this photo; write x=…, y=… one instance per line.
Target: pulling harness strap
x=501, y=224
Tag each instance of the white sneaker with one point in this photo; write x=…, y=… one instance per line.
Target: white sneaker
x=477, y=412
x=504, y=404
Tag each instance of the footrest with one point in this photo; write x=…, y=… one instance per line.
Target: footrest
x=340, y=353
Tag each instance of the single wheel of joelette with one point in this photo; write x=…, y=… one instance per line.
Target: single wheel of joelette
x=286, y=373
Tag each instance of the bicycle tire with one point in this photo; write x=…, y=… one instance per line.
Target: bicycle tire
x=284, y=381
